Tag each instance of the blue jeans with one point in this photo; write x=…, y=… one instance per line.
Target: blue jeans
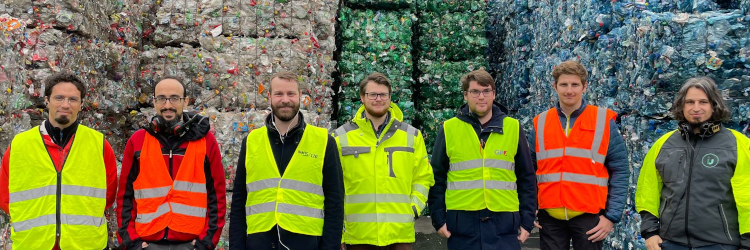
x=669, y=245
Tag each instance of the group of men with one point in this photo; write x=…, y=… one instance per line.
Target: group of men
x=361, y=187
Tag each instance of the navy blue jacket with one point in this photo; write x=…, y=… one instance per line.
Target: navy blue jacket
x=525, y=174
x=616, y=163
x=283, y=148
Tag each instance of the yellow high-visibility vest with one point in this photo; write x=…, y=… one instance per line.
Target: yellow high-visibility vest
x=44, y=203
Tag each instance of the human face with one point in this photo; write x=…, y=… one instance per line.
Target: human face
x=285, y=98
x=64, y=104
x=570, y=90
x=479, y=98
x=378, y=106
x=169, y=89
x=697, y=108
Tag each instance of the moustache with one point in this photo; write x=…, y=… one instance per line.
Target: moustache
x=169, y=109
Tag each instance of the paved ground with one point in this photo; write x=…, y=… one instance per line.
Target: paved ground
x=428, y=239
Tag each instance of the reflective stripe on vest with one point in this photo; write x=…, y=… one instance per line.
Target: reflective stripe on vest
x=593, y=153
x=179, y=204
x=575, y=160
x=33, y=193
x=383, y=195
x=294, y=201
x=478, y=173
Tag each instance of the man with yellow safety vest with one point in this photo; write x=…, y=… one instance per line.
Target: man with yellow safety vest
x=288, y=191
x=694, y=186
x=485, y=193
x=172, y=191
x=386, y=171
x=582, y=166
x=60, y=176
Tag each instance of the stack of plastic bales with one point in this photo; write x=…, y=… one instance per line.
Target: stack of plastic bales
x=638, y=54
x=452, y=42
x=97, y=41
x=376, y=36
x=226, y=51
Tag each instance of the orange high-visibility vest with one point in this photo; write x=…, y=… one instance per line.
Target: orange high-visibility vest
x=570, y=169
x=181, y=204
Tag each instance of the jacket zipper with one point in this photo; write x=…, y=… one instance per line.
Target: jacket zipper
x=687, y=195
x=59, y=191
x=166, y=230
x=726, y=224
x=59, y=198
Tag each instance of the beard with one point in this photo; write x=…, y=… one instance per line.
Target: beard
x=376, y=113
x=285, y=115
x=62, y=120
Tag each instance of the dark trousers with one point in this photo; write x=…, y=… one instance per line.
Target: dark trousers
x=395, y=246
x=669, y=245
x=556, y=234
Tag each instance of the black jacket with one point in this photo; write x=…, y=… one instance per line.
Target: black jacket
x=333, y=189
x=697, y=203
x=526, y=179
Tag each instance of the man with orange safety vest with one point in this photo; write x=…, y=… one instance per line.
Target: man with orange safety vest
x=59, y=177
x=582, y=166
x=171, y=192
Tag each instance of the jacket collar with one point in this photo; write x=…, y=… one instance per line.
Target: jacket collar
x=363, y=123
x=300, y=127
x=494, y=125
x=575, y=113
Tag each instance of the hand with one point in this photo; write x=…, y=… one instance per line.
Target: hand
x=443, y=231
x=601, y=230
x=536, y=222
x=144, y=245
x=523, y=236
x=652, y=243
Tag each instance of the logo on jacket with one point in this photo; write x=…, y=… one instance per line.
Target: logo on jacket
x=710, y=160
x=501, y=152
x=305, y=153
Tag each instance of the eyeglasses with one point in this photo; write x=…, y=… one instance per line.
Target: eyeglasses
x=475, y=93
x=374, y=96
x=71, y=100
x=172, y=99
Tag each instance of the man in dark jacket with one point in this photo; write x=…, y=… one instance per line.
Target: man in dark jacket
x=304, y=174
x=582, y=166
x=172, y=191
x=694, y=186
x=485, y=191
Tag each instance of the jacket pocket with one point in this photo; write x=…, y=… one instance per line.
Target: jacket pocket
x=665, y=220
x=398, y=159
x=724, y=221
x=665, y=166
x=355, y=151
x=507, y=223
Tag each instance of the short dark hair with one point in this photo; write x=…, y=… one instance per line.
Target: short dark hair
x=284, y=75
x=173, y=77
x=61, y=77
x=480, y=76
x=721, y=112
x=377, y=78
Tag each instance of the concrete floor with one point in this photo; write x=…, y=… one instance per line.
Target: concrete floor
x=428, y=239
